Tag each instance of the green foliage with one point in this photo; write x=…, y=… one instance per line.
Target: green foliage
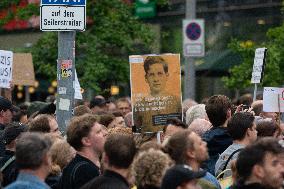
x=240, y=75
x=28, y=11
x=102, y=50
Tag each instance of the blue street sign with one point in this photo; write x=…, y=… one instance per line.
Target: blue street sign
x=63, y=2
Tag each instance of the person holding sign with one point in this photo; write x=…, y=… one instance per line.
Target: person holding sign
x=152, y=111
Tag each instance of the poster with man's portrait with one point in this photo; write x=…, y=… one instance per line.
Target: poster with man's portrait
x=155, y=90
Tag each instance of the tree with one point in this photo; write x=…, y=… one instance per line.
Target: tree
x=240, y=75
x=102, y=50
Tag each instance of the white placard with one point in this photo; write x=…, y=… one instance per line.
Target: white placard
x=259, y=60
x=62, y=18
x=77, y=94
x=6, y=66
x=271, y=95
x=64, y=104
x=193, y=38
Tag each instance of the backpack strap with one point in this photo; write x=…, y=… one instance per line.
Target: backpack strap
x=228, y=160
x=8, y=162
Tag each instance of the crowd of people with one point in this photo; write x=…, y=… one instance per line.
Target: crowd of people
x=218, y=140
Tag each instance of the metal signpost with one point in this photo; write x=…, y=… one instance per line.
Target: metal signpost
x=193, y=46
x=67, y=17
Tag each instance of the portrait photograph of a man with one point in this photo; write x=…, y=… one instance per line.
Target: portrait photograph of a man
x=155, y=90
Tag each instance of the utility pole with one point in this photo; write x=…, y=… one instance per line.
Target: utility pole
x=65, y=78
x=189, y=68
x=67, y=13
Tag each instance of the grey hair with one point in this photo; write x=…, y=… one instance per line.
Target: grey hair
x=30, y=150
x=194, y=112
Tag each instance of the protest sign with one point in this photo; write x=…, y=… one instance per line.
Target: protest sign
x=155, y=90
x=77, y=87
x=273, y=99
x=258, y=65
x=23, y=69
x=6, y=65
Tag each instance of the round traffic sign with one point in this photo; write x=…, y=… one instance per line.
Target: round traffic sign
x=193, y=31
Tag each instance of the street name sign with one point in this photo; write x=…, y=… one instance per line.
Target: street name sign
x=63, y=15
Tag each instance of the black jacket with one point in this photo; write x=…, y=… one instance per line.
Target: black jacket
x=77, y=173
x=250, y=186
x=109, y=180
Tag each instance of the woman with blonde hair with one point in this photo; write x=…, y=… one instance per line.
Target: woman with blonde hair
x=149, y=168
x=61, y=154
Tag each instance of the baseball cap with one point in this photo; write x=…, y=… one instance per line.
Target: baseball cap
x=7, y=104
x=179, y=174
x=97, y=102
x=12, y=131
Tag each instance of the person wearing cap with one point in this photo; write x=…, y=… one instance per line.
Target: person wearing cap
x=6, y=115
x=7, y=163
x=181, y=177
x=186, y=147
x=6, y=112
x=98, y=105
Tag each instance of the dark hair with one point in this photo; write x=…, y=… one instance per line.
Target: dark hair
x=18, y=115
x=117, y=114
x=246, y=99
x=216, y=109
x=106, y=119
x=78, y=128
x=176, y=122
x=177, y=146
x=254, y=154
x=150, y=60
x=30, y=150
x=120, y=150
x=81, y=110
x=40, y=123
x=97, y=101
x=239, y=124
x=266, y=128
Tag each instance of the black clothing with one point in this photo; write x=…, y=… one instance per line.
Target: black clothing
x=52, y=181
x=77, y=173
x=108, y=180
x=250, y=186
x=11, y=172
x=148, y=187
x=218, y=140
x=2, y=145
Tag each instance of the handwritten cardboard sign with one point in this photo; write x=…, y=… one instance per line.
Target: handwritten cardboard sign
x=23, y=69
x=273, y=99
x=258, y=66
x=6, y=65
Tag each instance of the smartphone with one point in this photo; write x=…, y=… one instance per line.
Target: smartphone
x=245, y=107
